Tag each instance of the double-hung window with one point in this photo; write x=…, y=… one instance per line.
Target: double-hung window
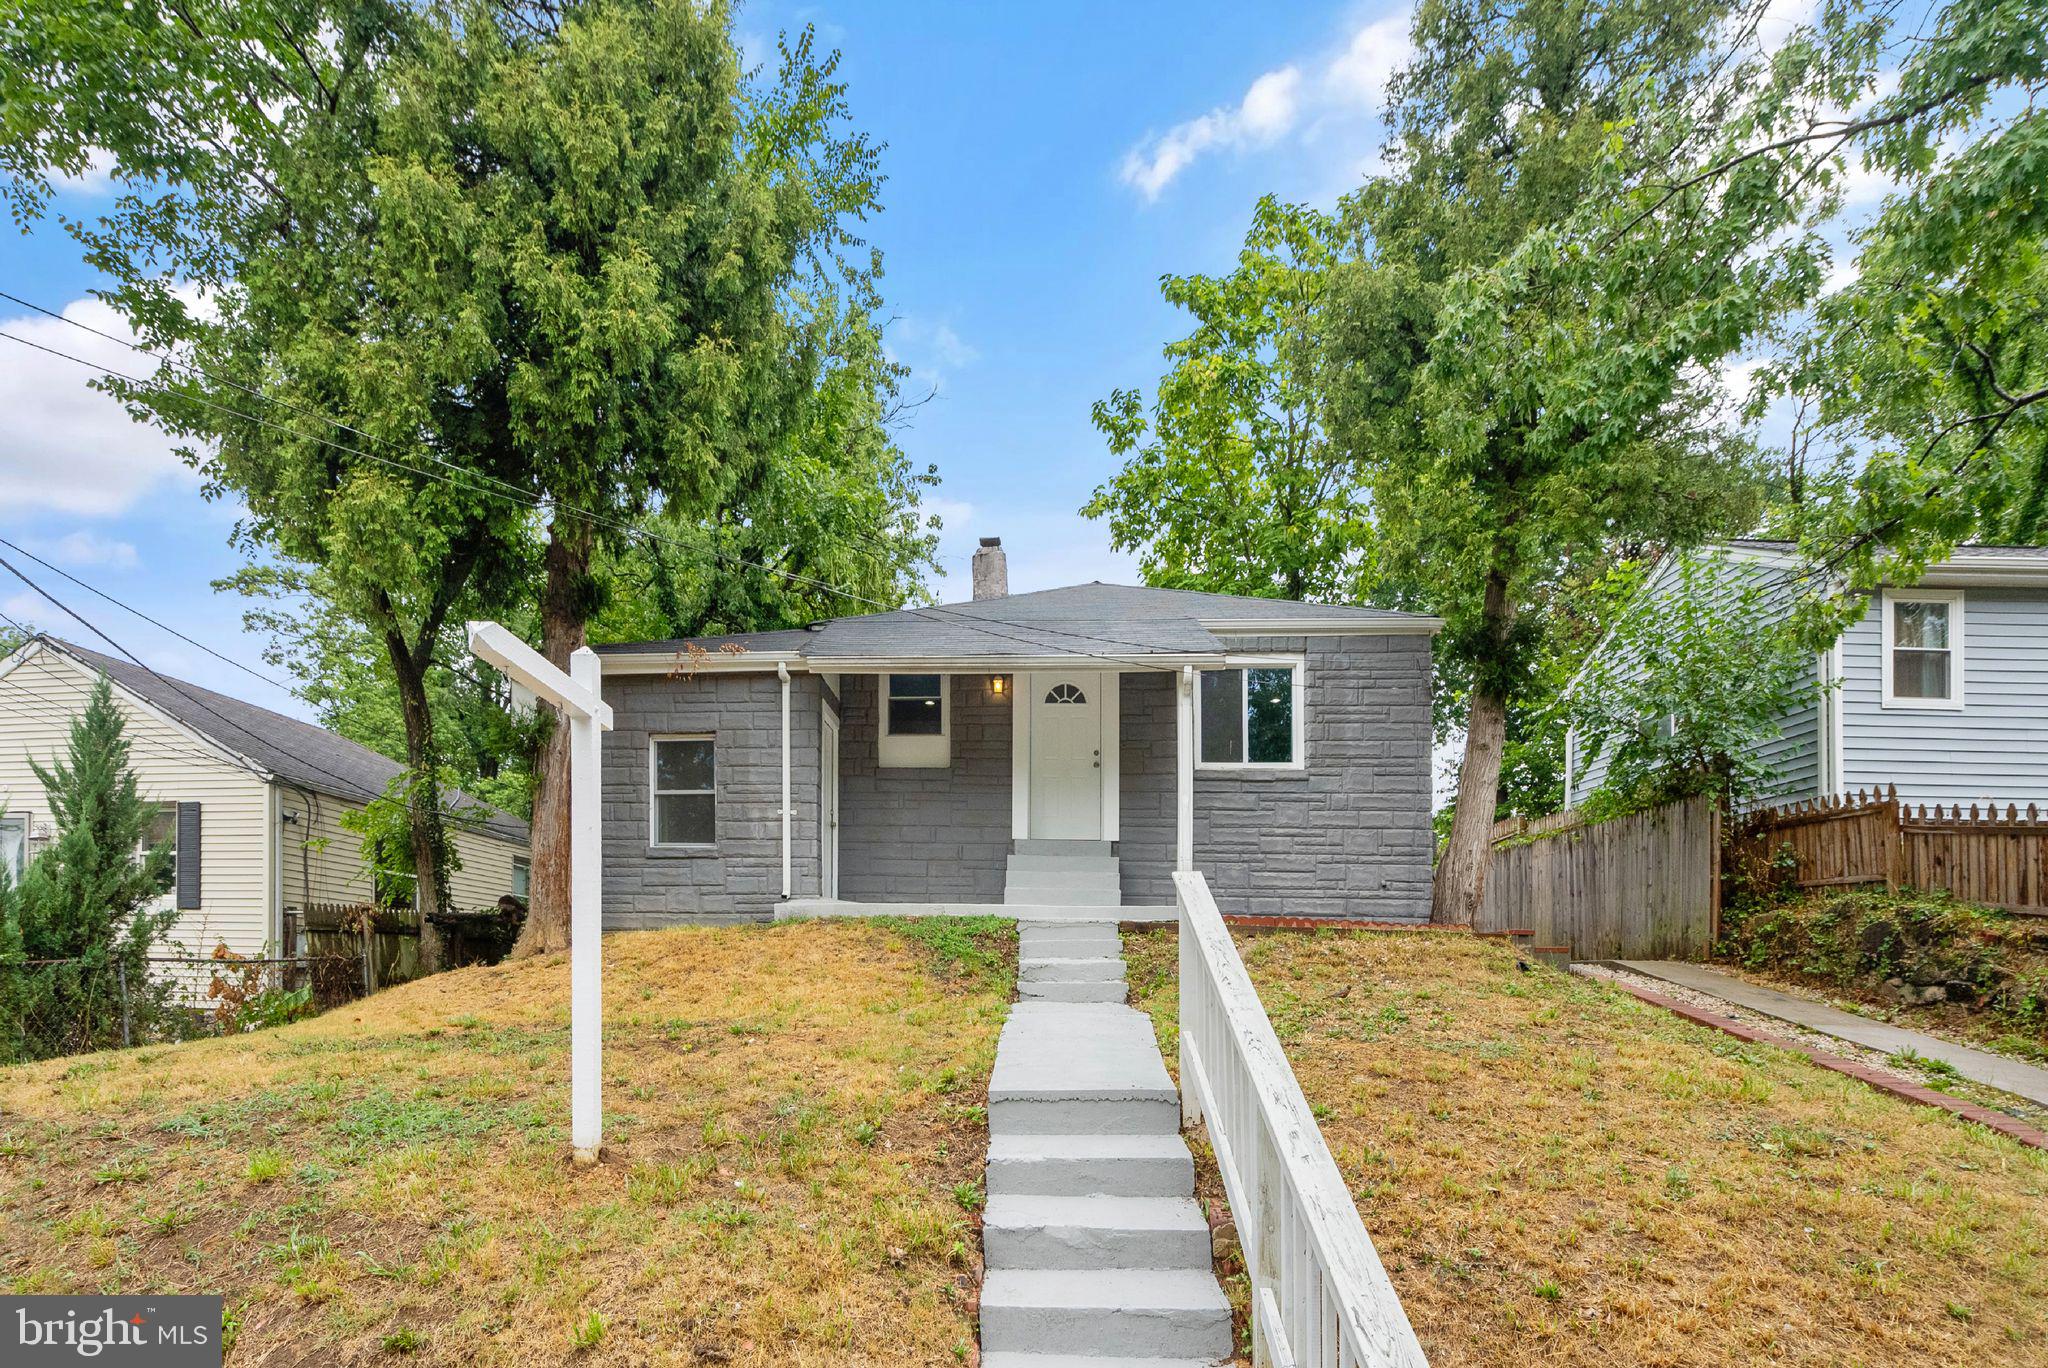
x=1250, y=716
x=1923, y=649
x=13, y=848
x=684, y=775
x=916, y=729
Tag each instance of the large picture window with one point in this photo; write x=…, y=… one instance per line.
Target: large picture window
x=1251, y=715
x=1923, y=649
x=685, y=791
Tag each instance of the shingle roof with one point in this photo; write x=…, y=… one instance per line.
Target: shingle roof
x=1111, y=620
x=297, y=753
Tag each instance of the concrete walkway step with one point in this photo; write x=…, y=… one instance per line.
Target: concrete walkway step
x=1062, y=897
x=1086, y=1361
x=1085, y=940
x=1069, y=1068
x=1084, y=1165
x=1069, y=970
x=1047, y=846
x=1109, y=863
x=1100, y=991
x=1106, y=1312
x=1979, y=1066
x=1094, y=1232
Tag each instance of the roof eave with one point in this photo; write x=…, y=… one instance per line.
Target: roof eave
x=1415, y=624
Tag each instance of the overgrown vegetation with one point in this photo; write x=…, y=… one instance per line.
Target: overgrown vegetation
x=1555, y=1173
x=793, y=1116
x=1970, y=968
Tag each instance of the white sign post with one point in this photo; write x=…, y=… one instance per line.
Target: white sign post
x=577, y=695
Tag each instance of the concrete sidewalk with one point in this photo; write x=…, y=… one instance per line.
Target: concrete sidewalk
x=1979, y=1066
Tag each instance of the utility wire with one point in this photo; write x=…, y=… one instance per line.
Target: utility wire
x=502, y=489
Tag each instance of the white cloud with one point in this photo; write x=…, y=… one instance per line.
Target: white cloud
x=95, y=178
x=1276, y=105
x=931, y=351
x=67, y=447
x=1360, y=75
x=86, y=550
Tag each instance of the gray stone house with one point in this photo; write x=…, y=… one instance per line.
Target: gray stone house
x=1068, y=747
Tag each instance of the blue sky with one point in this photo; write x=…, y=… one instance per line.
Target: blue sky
x=1047, y=164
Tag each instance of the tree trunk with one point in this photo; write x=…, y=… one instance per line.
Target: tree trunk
x=1460, y=884
x=564, y=601
x=1461, y=874
x=423, y=800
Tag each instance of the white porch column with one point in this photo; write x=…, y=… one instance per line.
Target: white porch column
x=586, y=917
x=782, y=673
x=1184, y=770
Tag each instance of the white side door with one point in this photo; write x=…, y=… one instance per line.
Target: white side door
x=828, y=809
x=1066, y=755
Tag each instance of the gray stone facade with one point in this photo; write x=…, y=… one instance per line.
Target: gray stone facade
x=1347, y=836
x=741, y=878
x=925, y=835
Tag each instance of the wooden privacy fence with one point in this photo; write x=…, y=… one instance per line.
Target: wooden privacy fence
x=1979, y=856
x=384, y=942
x=1645, y=886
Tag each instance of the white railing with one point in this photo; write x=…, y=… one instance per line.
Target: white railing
x=1320, y=1298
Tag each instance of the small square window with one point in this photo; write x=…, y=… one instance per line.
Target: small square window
x=1923, y=649
x=917, y=705
x=685, y=791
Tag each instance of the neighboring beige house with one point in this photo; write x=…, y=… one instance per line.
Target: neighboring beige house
x=252, y=798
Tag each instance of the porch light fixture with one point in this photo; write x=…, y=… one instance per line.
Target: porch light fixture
x=997, y=684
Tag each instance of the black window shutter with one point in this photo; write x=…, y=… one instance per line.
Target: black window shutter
x=188, y=856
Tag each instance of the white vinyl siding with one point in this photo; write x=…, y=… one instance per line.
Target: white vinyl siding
x=38, y=699
x=323, y=860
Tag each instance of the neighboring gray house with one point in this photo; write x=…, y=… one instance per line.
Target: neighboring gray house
x=1073, y=745
x=1940, y=688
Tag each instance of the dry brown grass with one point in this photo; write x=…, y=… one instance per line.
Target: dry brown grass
x=1555, y=1173
x=796, y=1130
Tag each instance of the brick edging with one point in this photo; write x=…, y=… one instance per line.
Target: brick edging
x=2009, y=1126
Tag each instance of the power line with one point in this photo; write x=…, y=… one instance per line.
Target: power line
x=629, y=530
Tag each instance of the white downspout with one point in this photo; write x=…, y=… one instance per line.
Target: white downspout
x=782, y=673
x=1184, y=766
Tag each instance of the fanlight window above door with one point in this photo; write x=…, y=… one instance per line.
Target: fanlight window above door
x=1065, y=693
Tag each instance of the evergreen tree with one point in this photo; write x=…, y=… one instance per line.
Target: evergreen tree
x=86, y=902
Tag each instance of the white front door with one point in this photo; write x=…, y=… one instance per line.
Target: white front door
x=1066, y=755
x=828, y=808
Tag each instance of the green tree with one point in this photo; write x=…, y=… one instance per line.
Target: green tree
x=1523, y=340
x=88, y=900
x=1231, y=483
x=554, y=268
x=1931, y=365
x=1690, y=689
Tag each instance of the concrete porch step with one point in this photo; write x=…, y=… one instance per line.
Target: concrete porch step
x=1084, y=991
x=1093, y=969
x=1155, y=1313
x=1095, y=1232
x=1040, y=846
x=1063, y=878
x=1085, y=1165
x=1045, y=864
x=1062, y=897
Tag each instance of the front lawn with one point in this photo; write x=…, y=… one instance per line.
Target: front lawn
x=1555, y=1173
x=796, y=1130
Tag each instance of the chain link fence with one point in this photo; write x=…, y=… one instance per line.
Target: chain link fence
x=52, y=1008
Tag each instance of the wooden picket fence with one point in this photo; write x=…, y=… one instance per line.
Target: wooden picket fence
x=1979, y=855
x=1645, y=886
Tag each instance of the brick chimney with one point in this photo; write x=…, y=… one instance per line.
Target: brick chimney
x=991, y=570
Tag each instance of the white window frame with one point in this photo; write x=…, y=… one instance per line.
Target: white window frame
x=524, y=863
x=913, y=752
x=17, y=822
x=1954, y=599
x=1299, y=665
x=654, y=793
